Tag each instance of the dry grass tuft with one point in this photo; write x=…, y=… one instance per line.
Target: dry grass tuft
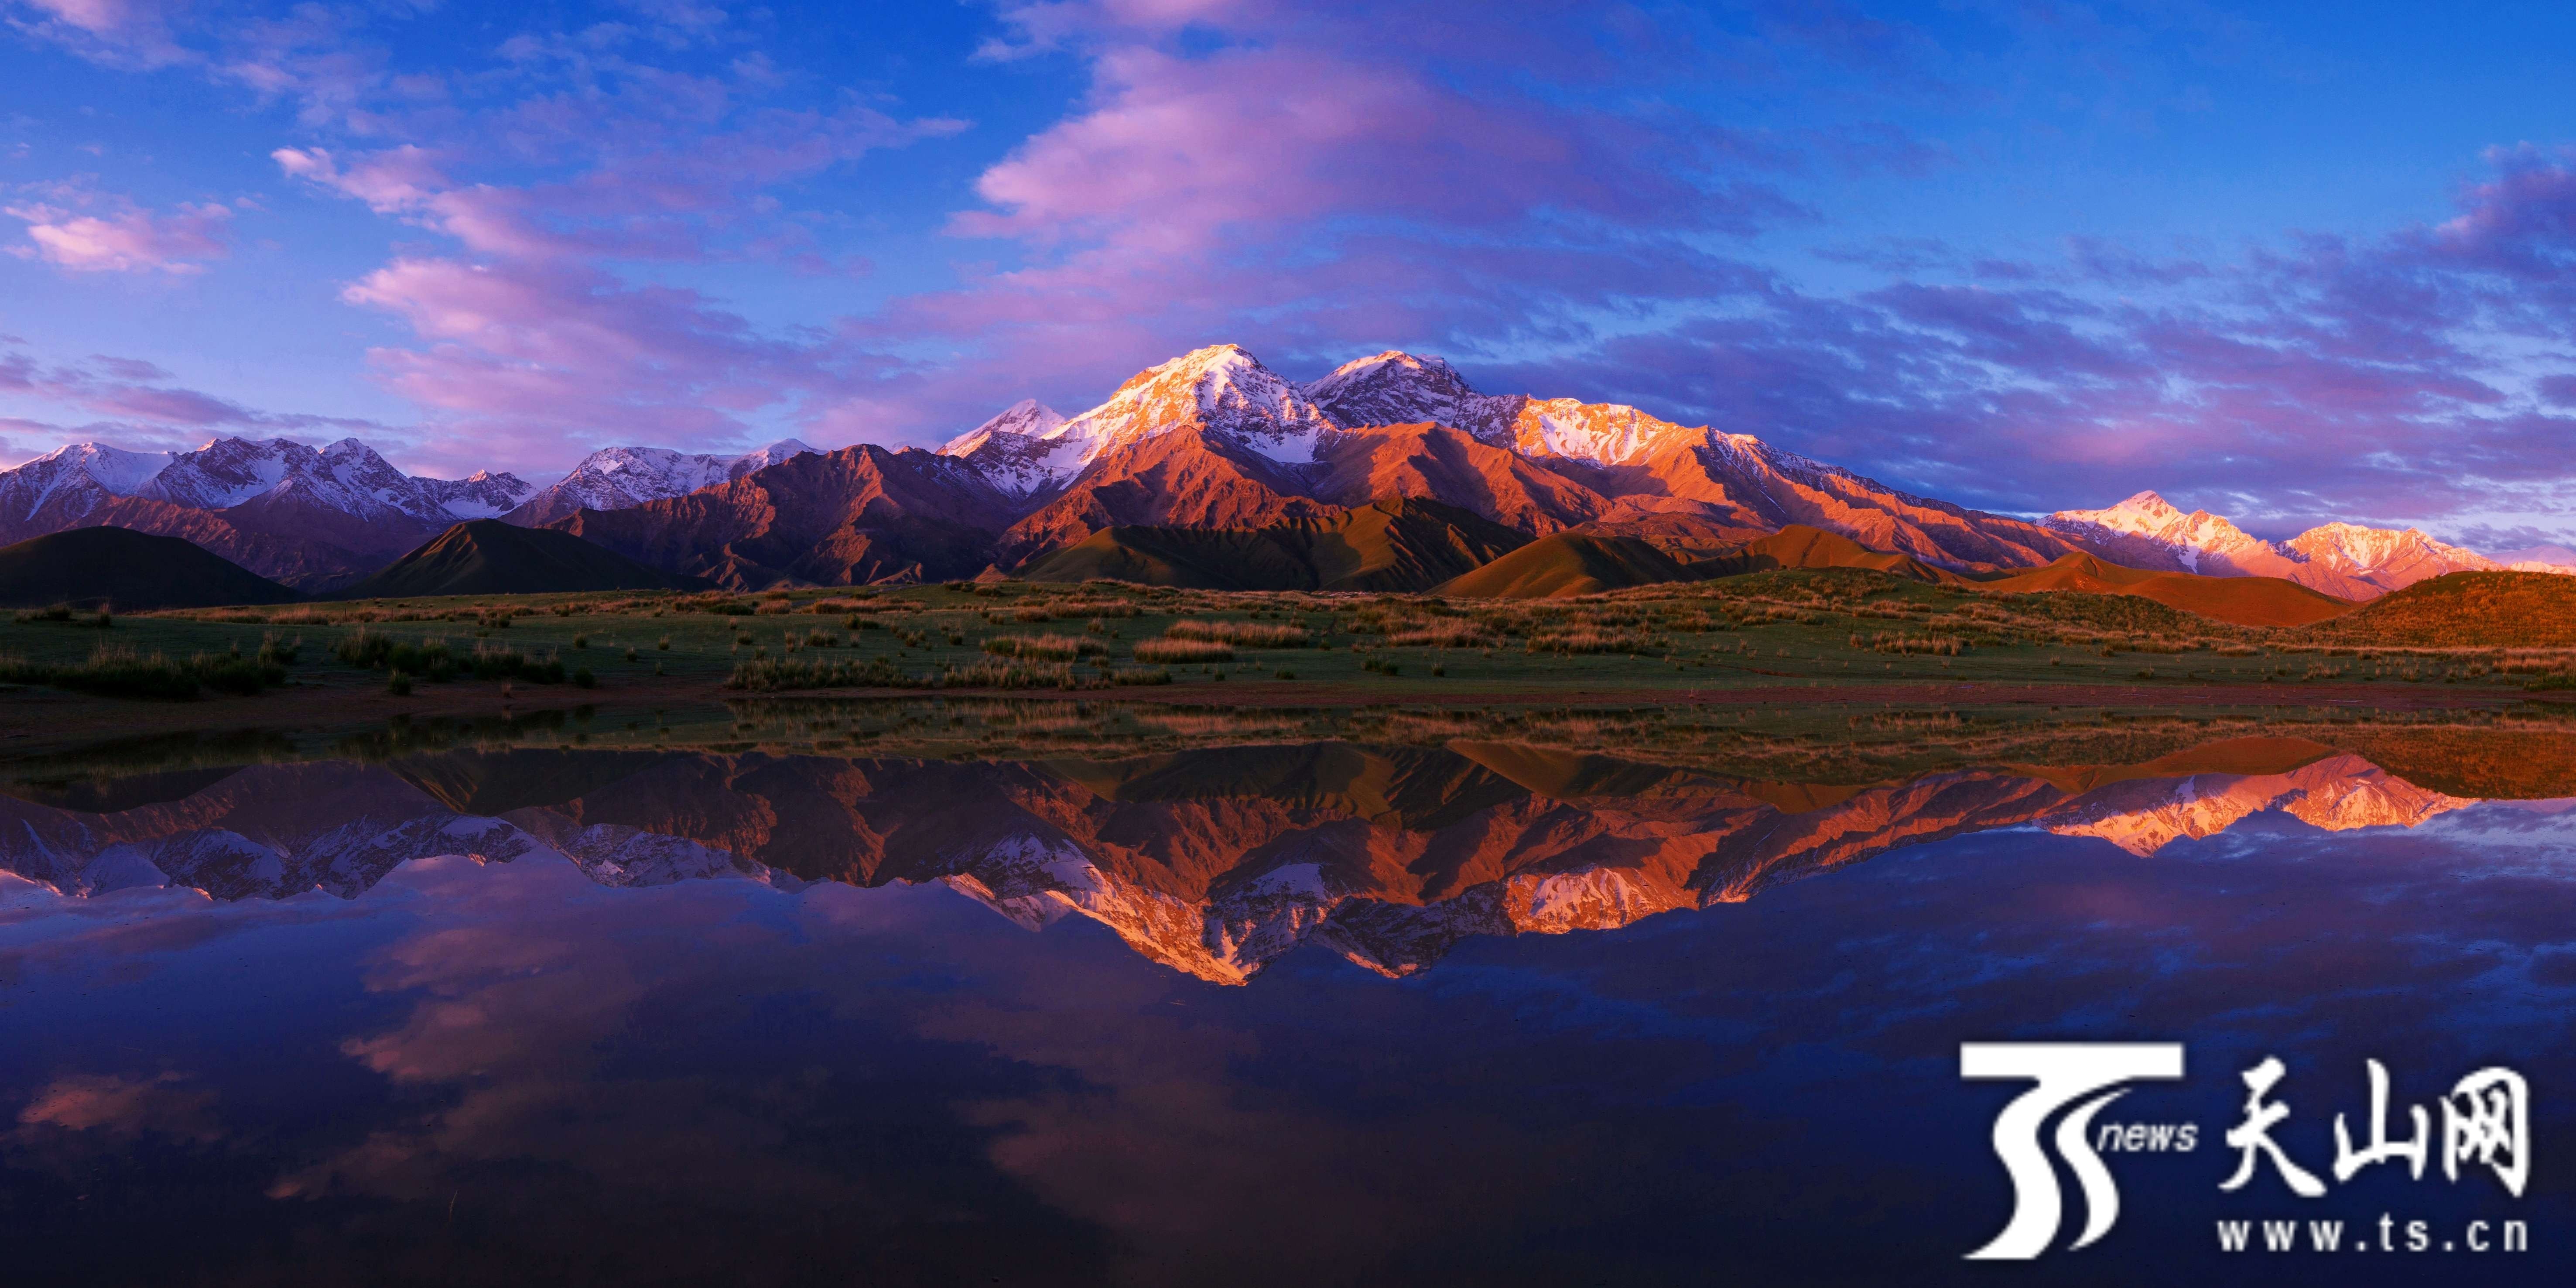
x=1245, y=634
x=1183, y=650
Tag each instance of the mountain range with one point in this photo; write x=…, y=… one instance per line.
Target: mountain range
x=1211, y=441
x=307, y=517
x=614, y=478
x=2345, y=560
x=489, y=557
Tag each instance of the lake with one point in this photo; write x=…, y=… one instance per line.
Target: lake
x=1298, y=1013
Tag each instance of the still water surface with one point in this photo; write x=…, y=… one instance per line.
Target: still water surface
x=1293, y=1014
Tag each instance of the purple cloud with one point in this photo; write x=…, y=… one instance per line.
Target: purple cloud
x=72, y=226
x=118, y=33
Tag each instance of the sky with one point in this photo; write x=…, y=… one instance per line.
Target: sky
x=2291, y=263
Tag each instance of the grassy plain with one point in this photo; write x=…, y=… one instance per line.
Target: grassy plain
x=1825, y=629
x=1796, y=673
x=1806, y=670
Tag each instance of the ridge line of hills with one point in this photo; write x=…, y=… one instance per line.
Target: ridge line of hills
x=1406, y=545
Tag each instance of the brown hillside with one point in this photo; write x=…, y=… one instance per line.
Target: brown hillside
x=2465, y=610
x=1184, y=478
x=490, y=557
x=1403, y=543
x=861, y=514
x=1568, y=563
x=1800, y=546
x=1686, y=530
x=2245, y=601
x=1447, y=465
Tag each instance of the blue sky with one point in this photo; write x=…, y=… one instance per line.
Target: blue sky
x=2288, y=263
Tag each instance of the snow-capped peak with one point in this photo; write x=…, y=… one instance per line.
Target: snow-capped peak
x=119, y=471
x=2385, y=555
x=2146, y=512
x=1389, y=375
x=1027, y=418
x=2187, y=538
x=71, y=482
x=2543, y=558
x=782, y=450
x=228, y=471
x=480, y=495
x=1390, y=368
x=1221, y=389
x=617, y=478
x=1602, y=433
x=1026, y=449
x=346, y=477
x=1398, y=388
x=2346, y=559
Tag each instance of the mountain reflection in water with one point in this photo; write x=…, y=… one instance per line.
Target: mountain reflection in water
x=1215, y=863
x=496, y=1058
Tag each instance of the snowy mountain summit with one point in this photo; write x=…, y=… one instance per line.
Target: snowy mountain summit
x=71, y=484
x=1023, y=450
x=1398, y=388
x=346, y=477
x=2153, y=523
x=2342, y=559
x=1220, y=389
x=615, y=478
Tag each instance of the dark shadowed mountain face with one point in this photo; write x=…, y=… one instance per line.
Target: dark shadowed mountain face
x=1277, y=1016
x=117, y=568
x=859, y=515
x=491, y=557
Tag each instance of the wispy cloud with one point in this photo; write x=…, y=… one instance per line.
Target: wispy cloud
x=74, y=226
x=140, y=407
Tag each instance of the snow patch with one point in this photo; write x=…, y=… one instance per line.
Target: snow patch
x=113, y=468
x=619, y=478
x=1300, y=880
x=1602, y=433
